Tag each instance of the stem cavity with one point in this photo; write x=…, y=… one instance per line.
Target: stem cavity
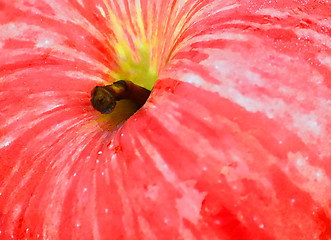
x=104, y=98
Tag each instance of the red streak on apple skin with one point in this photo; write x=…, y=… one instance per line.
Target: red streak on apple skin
x=234, y=142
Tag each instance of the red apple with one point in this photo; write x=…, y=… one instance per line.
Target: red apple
x=233, y=143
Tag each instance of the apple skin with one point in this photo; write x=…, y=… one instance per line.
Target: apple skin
x=233, y=143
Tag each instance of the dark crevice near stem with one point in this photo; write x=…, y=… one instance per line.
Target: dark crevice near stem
x=104, y=98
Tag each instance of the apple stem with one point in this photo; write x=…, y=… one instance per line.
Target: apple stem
x=103, y=98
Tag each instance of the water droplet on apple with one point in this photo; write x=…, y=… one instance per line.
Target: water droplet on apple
x=261, y=226
x=74, y=174
x=100, y=152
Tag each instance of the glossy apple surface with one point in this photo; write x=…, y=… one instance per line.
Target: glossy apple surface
x=233, y=143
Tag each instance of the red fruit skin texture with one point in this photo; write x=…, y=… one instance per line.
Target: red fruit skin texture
x=233, y=143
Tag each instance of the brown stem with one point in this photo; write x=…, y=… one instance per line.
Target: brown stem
x=103, y=98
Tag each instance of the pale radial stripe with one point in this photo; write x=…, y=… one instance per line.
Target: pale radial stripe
x=62, y=52
x=234, y=36
x=43, y=35
x=54, y=212
x=209, y=151
x=186, y=233
x=190, y=203
x=56, y=194
x=229, y=90
x=318, y=38
x=80, y=75
x=12, y=30
x=95, y=225
x=35, y=116
x=325, y=59
x=172, y=123
x=63, y=127
x=67, y=126
x=66, y=53
x=305, y=169
x=159, y=162
x=128, y=216
x=146, y=228
x=6, y=141
x=314, y=177
x=81, y=3
x=185, y=188
x=272, y=13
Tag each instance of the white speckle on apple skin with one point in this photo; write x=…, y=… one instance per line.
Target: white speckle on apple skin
x=43, y=42
x=6, y=141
